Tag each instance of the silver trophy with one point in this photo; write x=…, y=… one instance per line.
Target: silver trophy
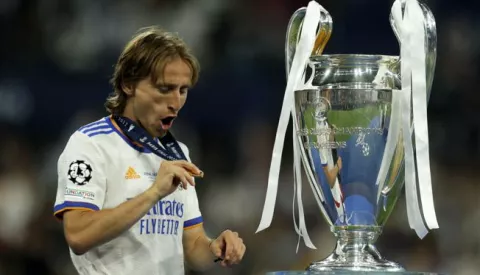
x=351, y=129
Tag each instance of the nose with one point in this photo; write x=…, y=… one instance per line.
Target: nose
x=175, y=102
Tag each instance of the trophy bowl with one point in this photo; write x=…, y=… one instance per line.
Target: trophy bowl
x=343, y=125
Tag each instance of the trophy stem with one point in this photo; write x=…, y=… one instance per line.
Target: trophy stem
x=355, y=251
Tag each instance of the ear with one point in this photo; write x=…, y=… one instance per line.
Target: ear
x=129, y=90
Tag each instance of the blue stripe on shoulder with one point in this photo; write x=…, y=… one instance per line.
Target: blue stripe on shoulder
x=96, y=127
x=100, y=121
x=101, y=132
x=99, y=127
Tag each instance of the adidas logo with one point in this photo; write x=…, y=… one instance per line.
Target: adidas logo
x=131, y=174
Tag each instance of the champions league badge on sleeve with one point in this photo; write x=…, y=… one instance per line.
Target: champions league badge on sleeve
x=79, y=172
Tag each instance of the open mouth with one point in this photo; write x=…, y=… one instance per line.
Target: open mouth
x=167, y=122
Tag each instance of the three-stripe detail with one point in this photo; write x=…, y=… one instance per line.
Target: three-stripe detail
x=96, y=128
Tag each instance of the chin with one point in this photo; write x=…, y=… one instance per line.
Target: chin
x=158, y=133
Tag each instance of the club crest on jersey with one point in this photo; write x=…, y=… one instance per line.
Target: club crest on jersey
x=79, y=172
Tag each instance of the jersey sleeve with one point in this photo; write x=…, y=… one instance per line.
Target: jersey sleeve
x=193, y=215
x=81, y=176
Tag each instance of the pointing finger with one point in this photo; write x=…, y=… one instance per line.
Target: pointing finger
x=190, y=167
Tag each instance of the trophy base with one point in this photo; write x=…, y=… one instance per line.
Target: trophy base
x=362, y=264
x=355, y=251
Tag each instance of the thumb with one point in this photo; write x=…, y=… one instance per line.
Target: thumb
x=216, y=248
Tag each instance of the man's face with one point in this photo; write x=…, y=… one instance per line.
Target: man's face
x=155, y=105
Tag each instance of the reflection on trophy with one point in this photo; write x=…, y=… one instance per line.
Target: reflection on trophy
x=360, y=133
x=324, y=154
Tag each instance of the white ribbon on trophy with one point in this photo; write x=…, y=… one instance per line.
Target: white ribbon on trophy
x=413, y=97
x=302, y=54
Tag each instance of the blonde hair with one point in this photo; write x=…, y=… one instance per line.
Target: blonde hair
x=146, y=55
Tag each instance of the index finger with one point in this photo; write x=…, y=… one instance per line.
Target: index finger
x=191, y=168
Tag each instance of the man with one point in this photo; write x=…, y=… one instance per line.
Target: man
x=330, y=167
x=125, y=187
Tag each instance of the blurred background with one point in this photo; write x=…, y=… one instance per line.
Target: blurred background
x=56, y=57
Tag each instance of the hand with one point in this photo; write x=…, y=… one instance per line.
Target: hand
x=229, y=247
x=171, y=174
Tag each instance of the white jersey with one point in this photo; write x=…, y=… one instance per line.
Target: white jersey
x=326, y=158
x=101, y=168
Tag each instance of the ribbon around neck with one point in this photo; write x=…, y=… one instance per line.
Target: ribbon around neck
x=300, y=60
x=411, y=30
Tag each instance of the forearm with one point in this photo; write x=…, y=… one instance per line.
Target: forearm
x=199, y=256
x=88, y=229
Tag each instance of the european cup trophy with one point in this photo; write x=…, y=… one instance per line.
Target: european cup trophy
x=360, y=130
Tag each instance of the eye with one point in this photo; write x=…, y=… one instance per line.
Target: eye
x=163, y=89
x=183, y=91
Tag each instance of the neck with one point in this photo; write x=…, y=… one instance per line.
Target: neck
x=128, y=113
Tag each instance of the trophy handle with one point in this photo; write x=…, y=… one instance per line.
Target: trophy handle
x=430, y=41
x=293, y=36
x=430, y=45
x=294, y=28
x=430, y=29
